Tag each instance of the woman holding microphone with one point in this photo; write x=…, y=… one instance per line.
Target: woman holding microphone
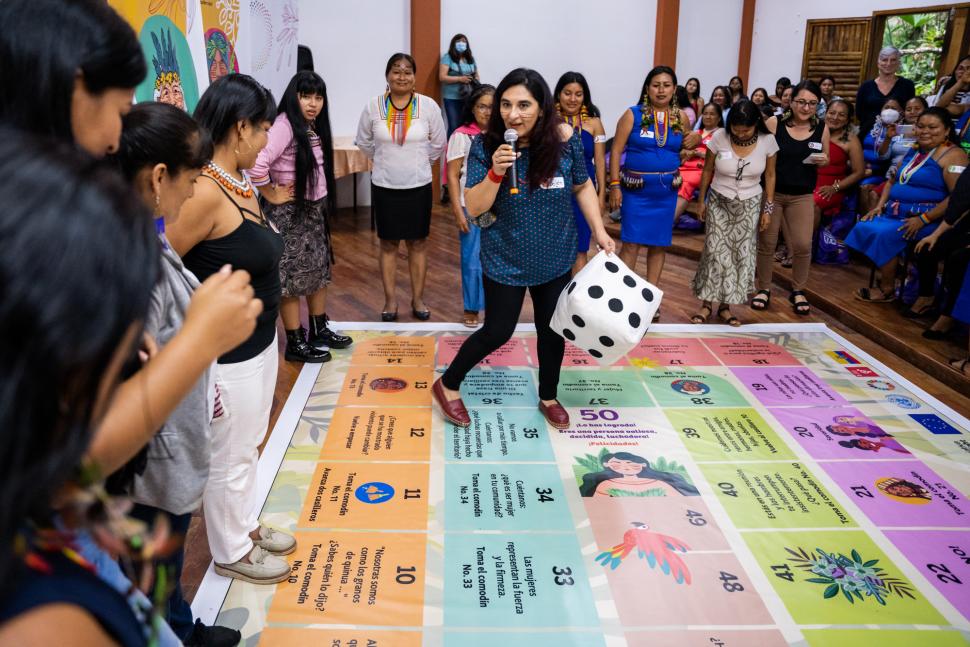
x=532, y=243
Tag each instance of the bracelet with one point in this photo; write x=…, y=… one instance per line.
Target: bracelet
x=838, y=187
x=769, y=208
x=494, y=177
x=614, y=183
x=924, y=219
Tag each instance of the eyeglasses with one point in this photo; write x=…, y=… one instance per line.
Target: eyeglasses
x=482, y=108
x=802, y=103
x=742, y=163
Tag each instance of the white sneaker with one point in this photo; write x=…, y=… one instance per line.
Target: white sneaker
x=275, y=541
x=264, y=569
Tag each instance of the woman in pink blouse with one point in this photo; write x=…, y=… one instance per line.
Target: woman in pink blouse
x=293, y=173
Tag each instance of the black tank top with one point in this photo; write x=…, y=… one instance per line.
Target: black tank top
x=257, y=249
x=794, y=177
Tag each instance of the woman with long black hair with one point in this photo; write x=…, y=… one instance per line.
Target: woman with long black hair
x=532, y=243
x=294, y=173
x=457, y=73
x=736, y=89
x=626, y=474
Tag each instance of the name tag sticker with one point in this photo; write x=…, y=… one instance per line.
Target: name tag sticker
x=815, y=146
x=599, y=139
x=726, y=155
x=555, y=183
x=644, y=132
x=956, y=169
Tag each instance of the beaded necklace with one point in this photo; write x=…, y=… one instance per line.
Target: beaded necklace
x=576, y=121
x=915, y=163
x=241, y=188
x=663, y=120
x=398, y=120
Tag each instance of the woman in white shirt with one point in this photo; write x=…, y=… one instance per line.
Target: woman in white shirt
x=402, y=131
x=736, y=158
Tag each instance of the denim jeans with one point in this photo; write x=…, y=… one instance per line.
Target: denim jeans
x=472, y=292
x=453, y=109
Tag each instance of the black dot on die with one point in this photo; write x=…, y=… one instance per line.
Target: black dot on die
x=606, y=341
x=578, y=321
x=613, y=267
x=629, y=281
x=568, y=334
x=595, y=291
x=616, y=305
x=595, y=353
x=572, y=286
x=634, y=319
x=647, y=294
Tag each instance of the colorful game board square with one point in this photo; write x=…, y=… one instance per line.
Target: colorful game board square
x=749, y=351
x=883, y=638
x=578, y=358
x=623, y=424
x=394, y=350
x=901, y=493
x=516, y=581
x=684, y=517
x=943, y=557
x=708, y=638
x=316, y=637
x=505, y=496
x=934, y=424
x=655, y=352
x=499, y=435
x=774, y=495
x=499, y=388
x=691, y=388
x=602, y=388
x=387, y=386
x=728, y=435
x=788, y=386
x=353, y=578
x=644, y=471
x=839, y=432
x=478, y=638
x=514, y=352
x=378, y=434
x=839, y=578
x=367, y=495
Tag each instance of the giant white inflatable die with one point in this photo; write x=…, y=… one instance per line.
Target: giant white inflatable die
x=606, y=309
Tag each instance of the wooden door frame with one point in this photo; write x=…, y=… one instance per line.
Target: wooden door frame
x=951, y=51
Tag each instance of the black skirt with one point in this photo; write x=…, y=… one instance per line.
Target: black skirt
x=402, y=214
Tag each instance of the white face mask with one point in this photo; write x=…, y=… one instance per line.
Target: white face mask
x=889, y=116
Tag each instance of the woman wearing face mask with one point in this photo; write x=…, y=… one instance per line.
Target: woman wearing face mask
x=575, y=105
x=876, y=166
x=803, y=147
x=845, y=152
x=692, y=161
x=873, y=93
x=736, y=88
x=653, y=133
x=900, y=137
x=457, y=73
x=955, y=93
x=532, y=243
x=721, y=97
x=402, y=132
x=693, y=87
x=294, y=173
x=736, y=159
x=224, y=224
x=913, y=203
x=478, y=110
x=162, y=152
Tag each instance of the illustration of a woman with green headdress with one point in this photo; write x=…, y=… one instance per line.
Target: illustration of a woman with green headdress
x=168, y=81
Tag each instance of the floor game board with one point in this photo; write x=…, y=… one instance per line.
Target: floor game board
x=774, y=486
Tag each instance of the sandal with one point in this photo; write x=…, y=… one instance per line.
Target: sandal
x=786, y=262
x=927, y=311
x=656, y=316
x=801, y=308
x=761, y=300
x=471, y=319
x=730, y=320
x=700, y=318
x=960, y=365
x=866, y=294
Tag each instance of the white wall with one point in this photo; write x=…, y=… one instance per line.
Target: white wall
x=779, y=31
x=610, y=42
x=702, y=24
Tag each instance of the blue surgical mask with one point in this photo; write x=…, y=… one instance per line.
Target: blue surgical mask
x=461, y=46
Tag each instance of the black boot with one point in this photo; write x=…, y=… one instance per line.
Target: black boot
x=298, y=350
x=321, y=335
x=214, y=636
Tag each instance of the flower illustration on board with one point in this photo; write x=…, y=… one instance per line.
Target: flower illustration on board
x=855, y=578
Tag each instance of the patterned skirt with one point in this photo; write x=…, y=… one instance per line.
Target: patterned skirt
x=307, y=254
x=725, y=272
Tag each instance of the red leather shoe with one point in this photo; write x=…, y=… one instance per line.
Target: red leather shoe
x=453, y=410
x=555, y=414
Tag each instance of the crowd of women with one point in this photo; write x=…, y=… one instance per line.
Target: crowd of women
x=139, y=359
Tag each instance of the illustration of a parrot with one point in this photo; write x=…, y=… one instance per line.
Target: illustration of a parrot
x=654, y=547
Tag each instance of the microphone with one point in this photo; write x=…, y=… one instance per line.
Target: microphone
x=510, y=138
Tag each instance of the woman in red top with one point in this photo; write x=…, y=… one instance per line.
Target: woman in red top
x=692, y=160
x=845, y=155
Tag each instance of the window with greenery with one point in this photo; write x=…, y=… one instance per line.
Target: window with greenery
x=919, y=36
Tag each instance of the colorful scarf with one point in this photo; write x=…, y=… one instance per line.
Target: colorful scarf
x=398, y=121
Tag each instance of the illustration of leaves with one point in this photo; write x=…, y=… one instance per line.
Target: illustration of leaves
x=831, y=591
x=898, y=587
x=856, y=557
x=820, y=580
x=848, y=596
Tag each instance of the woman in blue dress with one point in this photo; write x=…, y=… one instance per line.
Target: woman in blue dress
x=653, y=133
x=912, y=203
x=575, y=106
x=871, y=185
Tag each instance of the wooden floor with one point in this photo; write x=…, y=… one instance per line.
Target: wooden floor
x=356, y=295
